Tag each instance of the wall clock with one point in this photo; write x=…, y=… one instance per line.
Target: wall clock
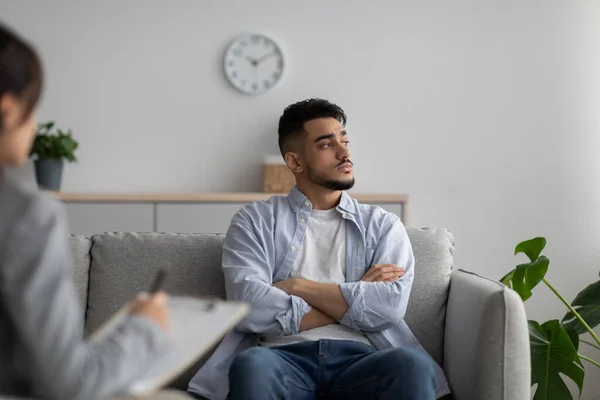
x=253, y=63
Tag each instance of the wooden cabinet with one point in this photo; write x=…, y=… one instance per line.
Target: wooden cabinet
x=199, y=218
x=185, y=213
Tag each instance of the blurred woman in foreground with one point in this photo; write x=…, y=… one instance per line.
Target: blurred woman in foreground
x=42, y=349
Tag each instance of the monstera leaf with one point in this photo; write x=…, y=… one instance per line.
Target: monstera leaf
x=552, y=354
x=587, y=305
x=527, y=276
x=574, y=336
x=532, y=248
x=554, y=344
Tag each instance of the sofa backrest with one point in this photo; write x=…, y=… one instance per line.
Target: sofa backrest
x=119, y=265
x=80, y=250
x=124, y=264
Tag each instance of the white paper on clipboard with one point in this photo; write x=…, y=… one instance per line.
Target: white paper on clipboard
x=195, y=326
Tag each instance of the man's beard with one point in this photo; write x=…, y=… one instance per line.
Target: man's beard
x=329, y=183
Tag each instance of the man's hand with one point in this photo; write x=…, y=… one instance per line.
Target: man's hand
x=383, y=273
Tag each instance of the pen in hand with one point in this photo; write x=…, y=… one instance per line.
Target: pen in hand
x=154, y=307
x=158, y=281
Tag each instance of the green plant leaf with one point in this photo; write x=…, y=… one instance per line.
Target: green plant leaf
x=58, y=146
x=526, y=276
x=574, y=336
x=532, y=248
x=552, y=354
x=45, y=128
x=587, y=305
x=519, y=282
x=506, y=279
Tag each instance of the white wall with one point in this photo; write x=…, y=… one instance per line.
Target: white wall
x=487, y=113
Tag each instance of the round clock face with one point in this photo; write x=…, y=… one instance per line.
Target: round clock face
x=253, y=64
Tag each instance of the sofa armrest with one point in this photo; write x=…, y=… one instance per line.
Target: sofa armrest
x=486, y=340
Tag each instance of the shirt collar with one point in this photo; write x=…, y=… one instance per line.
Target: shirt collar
x=297, y=199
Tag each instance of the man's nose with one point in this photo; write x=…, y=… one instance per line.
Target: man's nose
x=343, y=152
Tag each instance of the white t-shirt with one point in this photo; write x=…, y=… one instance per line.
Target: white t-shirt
x=321, y=258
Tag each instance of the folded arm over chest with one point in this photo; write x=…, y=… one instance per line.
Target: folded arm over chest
x=374, y=306
x=249, y=278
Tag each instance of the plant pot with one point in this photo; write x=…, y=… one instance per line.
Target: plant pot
x=48, y=173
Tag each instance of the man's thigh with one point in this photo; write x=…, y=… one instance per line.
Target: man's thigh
x=357, y=371
x=292, y=369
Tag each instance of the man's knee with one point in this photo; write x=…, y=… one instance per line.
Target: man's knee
x=256, y=373
x=410, y=361
x=253, y=359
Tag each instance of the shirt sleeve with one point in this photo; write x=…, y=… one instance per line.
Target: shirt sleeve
x=376, y=306
x=249, y=278
x=39, y=295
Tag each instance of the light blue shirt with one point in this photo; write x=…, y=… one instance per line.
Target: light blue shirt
x=260, y=247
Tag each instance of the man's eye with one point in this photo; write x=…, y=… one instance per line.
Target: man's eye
x=347, y=142
x=326, y=145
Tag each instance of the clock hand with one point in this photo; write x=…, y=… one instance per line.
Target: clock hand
x=252, y=61
x=264, y=58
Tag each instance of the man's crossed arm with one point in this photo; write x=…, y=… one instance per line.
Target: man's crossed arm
x=376, y=302
x=328, y=302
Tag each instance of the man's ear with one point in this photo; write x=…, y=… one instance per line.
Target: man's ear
x=293, y=162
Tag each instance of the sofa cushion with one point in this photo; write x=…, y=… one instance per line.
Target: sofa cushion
x=124, y=264
x=426, y=314
x=80, y=253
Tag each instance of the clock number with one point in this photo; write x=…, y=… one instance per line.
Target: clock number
x=255, y=86
x=267, y=84
x=237, y=52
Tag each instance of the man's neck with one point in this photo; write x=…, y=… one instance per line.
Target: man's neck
x=320, y=197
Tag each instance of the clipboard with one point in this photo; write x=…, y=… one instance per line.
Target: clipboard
x=195, y=326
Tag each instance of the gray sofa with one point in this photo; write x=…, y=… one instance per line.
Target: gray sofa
x=474, y=327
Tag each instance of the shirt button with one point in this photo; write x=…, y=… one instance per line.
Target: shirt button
x=306, y=203
x=293, y=248
x=301, y=220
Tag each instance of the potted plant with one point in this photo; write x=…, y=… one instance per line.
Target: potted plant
x=51, y=150
x=555, y=344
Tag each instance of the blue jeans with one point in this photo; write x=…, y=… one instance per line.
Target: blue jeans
x=331, y=369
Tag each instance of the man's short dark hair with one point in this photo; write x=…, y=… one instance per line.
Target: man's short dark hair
x=291, y=122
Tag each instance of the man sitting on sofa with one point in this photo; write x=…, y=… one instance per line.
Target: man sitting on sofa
x=329, y=280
